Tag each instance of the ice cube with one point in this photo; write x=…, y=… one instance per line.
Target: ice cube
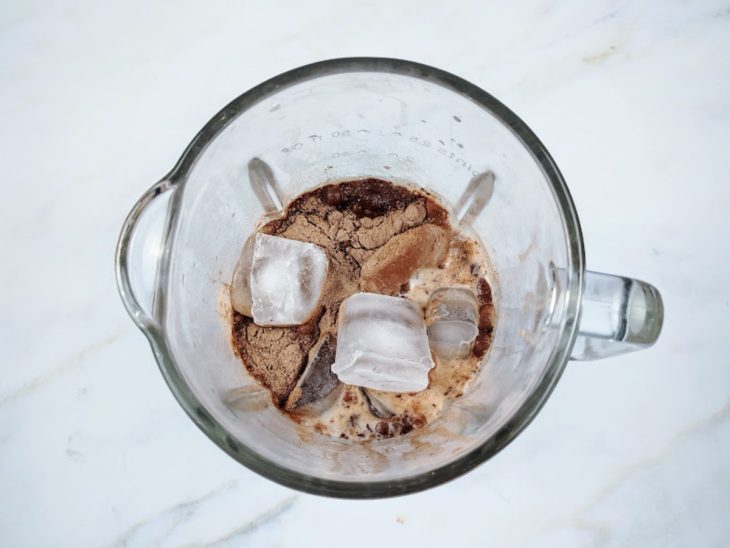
x=241, y=284
x=287, y=277
x=382, y=344
x=452, y=315
x=317, y=380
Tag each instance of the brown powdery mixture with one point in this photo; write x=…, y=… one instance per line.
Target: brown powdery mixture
x=380, y=238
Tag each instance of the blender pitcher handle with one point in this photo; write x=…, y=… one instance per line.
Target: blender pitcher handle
x=139, y=252
x=619, y=315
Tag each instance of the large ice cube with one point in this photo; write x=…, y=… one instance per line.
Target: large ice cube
x=287, y=278
x=382, y=344
x=452, y=315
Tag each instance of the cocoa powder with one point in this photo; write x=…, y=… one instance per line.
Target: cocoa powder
x=376, y=235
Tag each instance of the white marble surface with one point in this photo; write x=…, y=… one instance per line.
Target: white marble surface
x=99, y=98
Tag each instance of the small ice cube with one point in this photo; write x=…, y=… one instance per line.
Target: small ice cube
x=287, y=277
x=452, y=315
x=382, y=344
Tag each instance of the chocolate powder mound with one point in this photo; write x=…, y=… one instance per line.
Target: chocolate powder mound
x=275, y=356
x=367, y=197
x=391, y=266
